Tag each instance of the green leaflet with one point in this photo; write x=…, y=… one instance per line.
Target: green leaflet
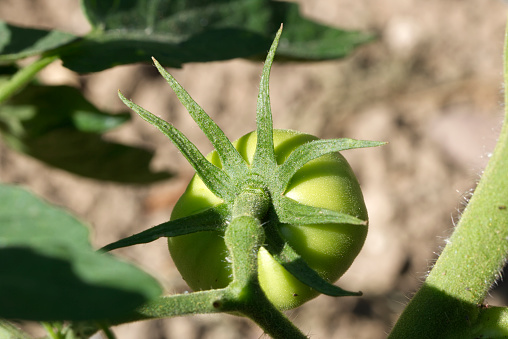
x=58, y=126
x=49, y=264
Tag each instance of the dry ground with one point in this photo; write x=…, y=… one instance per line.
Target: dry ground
x=431, y=85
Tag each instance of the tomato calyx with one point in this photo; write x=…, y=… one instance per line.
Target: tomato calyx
x=249, y=190
x=253, y=201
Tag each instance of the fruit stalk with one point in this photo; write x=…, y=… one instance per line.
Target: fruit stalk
x=243, y=238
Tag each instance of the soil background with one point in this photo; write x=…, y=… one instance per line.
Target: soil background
x=430, y=85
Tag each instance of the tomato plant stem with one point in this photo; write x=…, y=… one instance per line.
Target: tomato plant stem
x=273, y=322
x=176, y=305
x=23, y=76
x=450, y=301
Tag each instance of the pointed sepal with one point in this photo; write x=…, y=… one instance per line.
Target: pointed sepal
x=295, y=265
x=292, y=212
x=315, y=149
x=264, y=156
x=214, y=178
x=229, y=156
x=212, y=219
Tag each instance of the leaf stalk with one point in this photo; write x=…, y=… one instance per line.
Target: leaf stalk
x=22, y=77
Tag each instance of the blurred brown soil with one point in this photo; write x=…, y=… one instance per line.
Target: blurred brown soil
x=431, y=85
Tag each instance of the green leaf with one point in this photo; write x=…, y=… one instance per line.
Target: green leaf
x=308, y=40
x=88, y=155
x=212, y=219
x=58, y=126
x=44, y=108
x=20, y=42
x=180, y=31
x=50, y=271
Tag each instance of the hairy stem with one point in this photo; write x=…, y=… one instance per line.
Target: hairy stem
x=447, y=305
x=243, y=237
x=177, y=305
x=272, y=321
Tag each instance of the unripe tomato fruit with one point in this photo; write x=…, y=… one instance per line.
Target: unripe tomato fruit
x=329, y=249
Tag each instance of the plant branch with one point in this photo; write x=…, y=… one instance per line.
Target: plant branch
x=271, y=320
x=24, y=76
x=244, y=236
x=176, y=305
x=447, y=304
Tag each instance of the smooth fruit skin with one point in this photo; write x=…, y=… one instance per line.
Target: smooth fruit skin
x=326, y=182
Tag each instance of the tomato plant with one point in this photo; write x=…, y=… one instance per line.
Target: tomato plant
x=327, y=182
x=274, y=220
x=267, y=223
x=245, y=232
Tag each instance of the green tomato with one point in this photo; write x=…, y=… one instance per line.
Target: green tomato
x=329, y=249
